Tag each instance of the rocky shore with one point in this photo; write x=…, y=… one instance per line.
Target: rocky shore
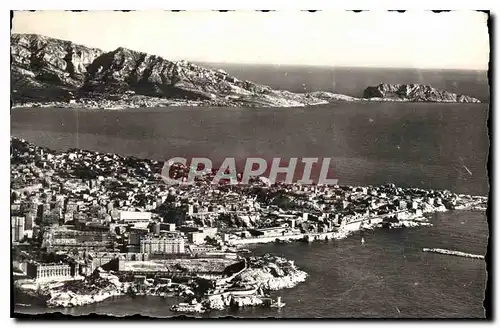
x=95, y=288
x=272, y=273
x=262, y=275
x=70, y=299
x=265, y=273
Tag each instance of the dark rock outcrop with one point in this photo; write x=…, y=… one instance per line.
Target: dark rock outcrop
x=414, y=92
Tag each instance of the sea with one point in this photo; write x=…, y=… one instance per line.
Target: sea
x=426, y=145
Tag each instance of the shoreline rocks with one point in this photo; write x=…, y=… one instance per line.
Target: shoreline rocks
x=272, y=273
x=266, y=273
x=70, y=299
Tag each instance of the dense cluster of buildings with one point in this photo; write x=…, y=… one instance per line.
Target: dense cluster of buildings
x=96, y=208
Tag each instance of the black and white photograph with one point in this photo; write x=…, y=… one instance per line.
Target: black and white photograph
x=250, y=164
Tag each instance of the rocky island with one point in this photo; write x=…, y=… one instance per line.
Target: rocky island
x=48, y=72
x=414, y=93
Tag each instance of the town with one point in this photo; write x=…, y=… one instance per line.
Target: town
x=88, y=225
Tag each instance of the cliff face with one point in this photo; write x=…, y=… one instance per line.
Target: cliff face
x=47, y=69
x=414, y=92
x=131, y=72
x=43, y=67
x=125, y=70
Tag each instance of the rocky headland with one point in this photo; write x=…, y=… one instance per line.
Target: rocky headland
x=414, y=93
x=271, y=273
x=48, y=72
x=87, y=290
x=263, y=274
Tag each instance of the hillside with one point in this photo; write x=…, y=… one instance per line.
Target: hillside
x=52, y=72
x=47, y=69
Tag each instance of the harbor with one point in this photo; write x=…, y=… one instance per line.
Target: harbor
x=349, y=260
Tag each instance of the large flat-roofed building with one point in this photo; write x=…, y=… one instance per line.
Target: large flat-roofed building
x=103, y=258
x=134, y=217
x=189, y=267
x=49, y=271
x=162, y=245
x=66, y=239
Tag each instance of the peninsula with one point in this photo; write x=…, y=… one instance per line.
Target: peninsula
x=87, y=226
x=48, y=72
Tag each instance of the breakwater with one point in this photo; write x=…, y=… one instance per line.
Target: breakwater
x=451, y=252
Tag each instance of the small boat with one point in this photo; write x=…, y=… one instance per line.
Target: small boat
x=362, y=241
x=278, y=303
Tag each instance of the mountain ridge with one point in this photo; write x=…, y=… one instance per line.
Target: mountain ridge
x=48, y=70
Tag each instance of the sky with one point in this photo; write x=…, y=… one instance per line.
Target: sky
x=454, y=40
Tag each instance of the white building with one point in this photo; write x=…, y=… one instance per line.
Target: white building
x=162, y=245
x=49, y=271
x=134, y=217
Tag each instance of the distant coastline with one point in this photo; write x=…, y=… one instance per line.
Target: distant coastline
x=313, y=99
x=48, y=72
x=322, y=98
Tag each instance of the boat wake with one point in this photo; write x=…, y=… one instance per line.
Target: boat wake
x=456, y=253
